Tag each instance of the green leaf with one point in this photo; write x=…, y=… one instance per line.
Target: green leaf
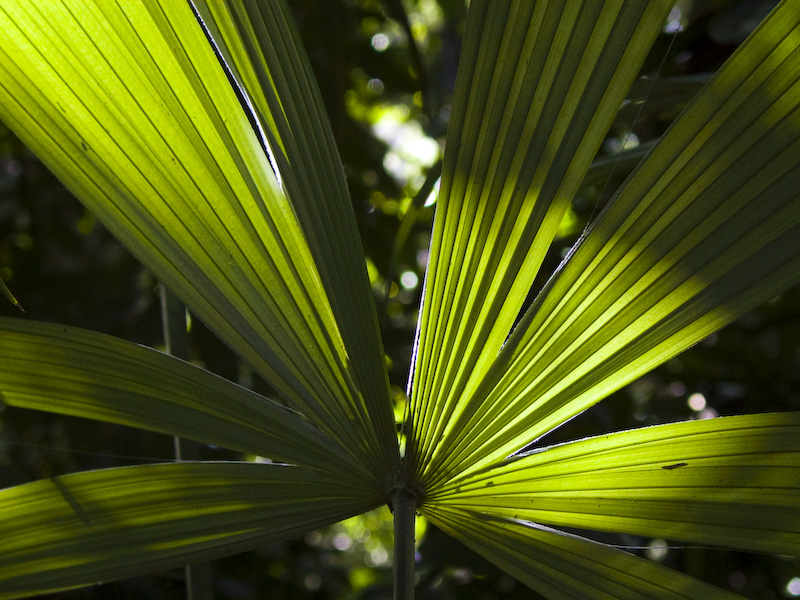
x=99, y=525
x=566, y=567
x=733, y=482
x=539, y=85
x=260, y=43
x=706, y=228
x=129, y=106
x=86, y=374
x=7, y=293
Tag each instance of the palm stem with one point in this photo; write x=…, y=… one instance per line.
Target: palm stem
x=404, y=505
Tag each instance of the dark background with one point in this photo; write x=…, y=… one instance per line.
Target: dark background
x=64, y=267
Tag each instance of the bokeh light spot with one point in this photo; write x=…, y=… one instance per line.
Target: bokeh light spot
x=696, y=402
x=375, y=86
x=793, y=587
x=409, y=280
x=380, y=42
x=657, y=550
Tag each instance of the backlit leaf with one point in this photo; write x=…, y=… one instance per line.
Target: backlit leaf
x=129, y=106
x=96, y=526
x=732, y=482
x=86, y=374
x=567, y=567
x=260, y=44
x=538, y=87
x=705, y=229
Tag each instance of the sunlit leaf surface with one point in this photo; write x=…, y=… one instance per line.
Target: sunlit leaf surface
x=262, y=48
x=129, y=105
x=733, y=482
x=539, y=85
x=705, y=229
x=85, y=374
x=566, y=567
x=235, y=197
x=99, y=525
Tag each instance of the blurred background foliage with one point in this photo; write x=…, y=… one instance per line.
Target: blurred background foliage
x=387, y=69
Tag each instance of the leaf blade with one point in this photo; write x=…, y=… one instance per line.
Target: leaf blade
x=539, y=85
x=99, y=525
x=730, y=482
x=86, y=374
x=705, y=229
x=130, y=107
x=262, y=47
x=7, y=293
x=566, y=567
